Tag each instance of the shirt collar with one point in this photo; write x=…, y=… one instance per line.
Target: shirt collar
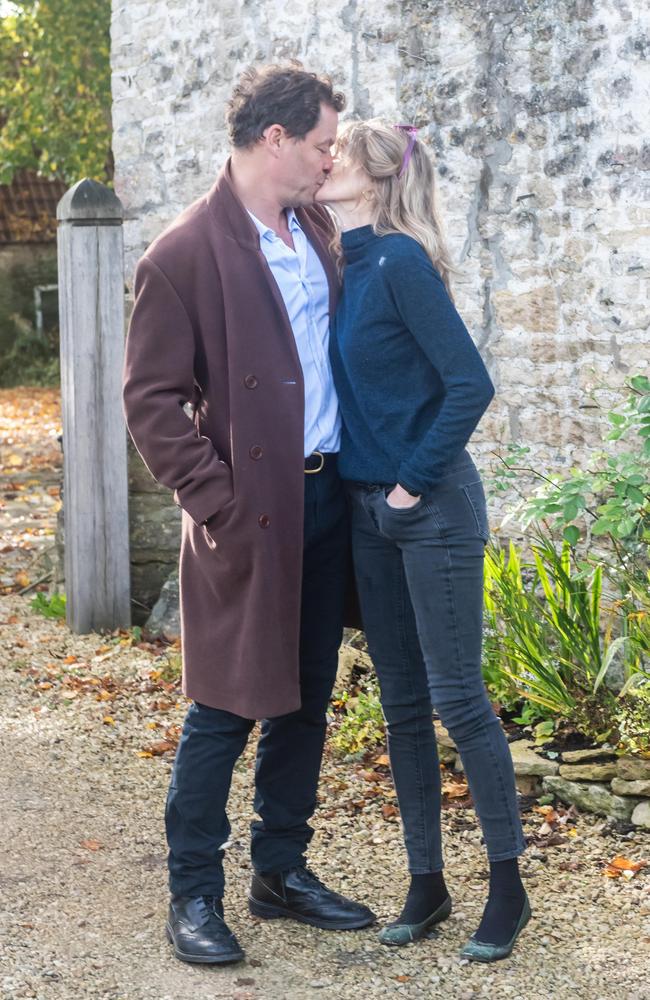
x=267, y=233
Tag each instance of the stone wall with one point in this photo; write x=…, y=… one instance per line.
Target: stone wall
x=537, y=116
x=597, y=780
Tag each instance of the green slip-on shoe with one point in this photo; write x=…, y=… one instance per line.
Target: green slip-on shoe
x=400, y=934
x=482, y=951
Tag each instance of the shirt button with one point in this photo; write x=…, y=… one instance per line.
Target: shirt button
x=255, y=452
x=264, y=520
x=250, y=382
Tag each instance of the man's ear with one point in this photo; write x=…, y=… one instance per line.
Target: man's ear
x=273, y=136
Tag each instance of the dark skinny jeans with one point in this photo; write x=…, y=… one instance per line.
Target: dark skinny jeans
x=420, y=579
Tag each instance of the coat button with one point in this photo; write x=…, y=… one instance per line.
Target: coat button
x=264, y=520
x=250, y=382
x=255, y=452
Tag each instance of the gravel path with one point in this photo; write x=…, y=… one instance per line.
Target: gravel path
x=82, y=859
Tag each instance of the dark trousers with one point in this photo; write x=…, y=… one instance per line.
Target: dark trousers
x=420, y=581
x=290, y=746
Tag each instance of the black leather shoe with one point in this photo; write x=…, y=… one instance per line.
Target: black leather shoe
x=299, y=895
x=198, y=932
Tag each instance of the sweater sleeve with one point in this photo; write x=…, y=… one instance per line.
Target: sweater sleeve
x=425, y=308
x=158, y=380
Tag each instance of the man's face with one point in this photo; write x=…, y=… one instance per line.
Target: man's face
x=303, y=164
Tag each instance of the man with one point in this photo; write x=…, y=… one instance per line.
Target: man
x=232, y=305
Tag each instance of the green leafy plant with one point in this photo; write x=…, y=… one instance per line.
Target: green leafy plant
x=571, y=624
x=362, y=725
x=49, y=607
x=549, y=635
x=609, y=498
x=634, y=717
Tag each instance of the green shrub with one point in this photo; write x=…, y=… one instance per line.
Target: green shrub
x=32, y=359
x=547, y=637
x=50, y=607
x=634, y=719
x=577, y=612
x=362, y=725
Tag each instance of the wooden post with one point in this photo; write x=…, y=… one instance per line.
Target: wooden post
x=95, y=495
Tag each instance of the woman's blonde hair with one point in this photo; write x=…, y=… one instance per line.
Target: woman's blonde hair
x=402, y=204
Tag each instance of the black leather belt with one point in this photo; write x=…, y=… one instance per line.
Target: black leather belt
x=318, y=461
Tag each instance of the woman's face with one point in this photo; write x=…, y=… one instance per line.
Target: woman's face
x=346, y=182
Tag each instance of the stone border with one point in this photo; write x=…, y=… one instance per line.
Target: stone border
x=597, y=780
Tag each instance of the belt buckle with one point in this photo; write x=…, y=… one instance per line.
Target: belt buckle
x=311, y=472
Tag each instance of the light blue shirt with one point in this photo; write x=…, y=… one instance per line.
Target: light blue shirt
x=303, y=285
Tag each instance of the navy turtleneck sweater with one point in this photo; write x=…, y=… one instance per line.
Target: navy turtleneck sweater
x=411, y=384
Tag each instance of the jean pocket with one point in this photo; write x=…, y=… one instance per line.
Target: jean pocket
x=400, y=510
x=475, y=495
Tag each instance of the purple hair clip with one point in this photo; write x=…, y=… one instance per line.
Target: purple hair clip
x=412, y=133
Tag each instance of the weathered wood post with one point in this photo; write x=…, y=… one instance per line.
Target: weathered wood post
x=95, y=498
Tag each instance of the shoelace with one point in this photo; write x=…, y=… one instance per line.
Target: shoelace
x=209, y=906
x=307, y=875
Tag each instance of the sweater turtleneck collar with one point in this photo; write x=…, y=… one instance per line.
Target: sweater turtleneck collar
x=355, y=241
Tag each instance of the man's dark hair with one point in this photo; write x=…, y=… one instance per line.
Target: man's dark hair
x=278, y=95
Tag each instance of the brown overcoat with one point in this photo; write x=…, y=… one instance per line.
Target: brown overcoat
x=209, y=326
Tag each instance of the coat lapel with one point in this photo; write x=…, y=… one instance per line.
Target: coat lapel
x=232, y=216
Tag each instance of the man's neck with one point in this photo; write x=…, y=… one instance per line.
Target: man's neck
x=253, y=191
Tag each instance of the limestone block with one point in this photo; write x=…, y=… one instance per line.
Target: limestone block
x=527, y=762
x=595, y=753
x=528, y=784
x=633, y=768
x=588, y=772
x=592, y=798
x=448, y=756
x=442, y=736
x=641, y=815
x=535, y=311
x=165, y=616
x=640, y=787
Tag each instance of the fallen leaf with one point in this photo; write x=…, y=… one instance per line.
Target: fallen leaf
x=620, y=865
x=91, y=844
x=383, y=760
x=161, y=747
x=388, y=811
x=455, y=789
x=70, y=659
x=108, y=720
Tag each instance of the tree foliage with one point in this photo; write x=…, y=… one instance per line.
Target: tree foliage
x=55, y=95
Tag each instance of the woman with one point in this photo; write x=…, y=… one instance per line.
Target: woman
x=412, y=387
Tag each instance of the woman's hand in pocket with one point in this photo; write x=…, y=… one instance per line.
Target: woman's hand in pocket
x=399, y=499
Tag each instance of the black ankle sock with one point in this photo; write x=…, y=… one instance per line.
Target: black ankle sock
x=504, y=905
x=425, y=895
